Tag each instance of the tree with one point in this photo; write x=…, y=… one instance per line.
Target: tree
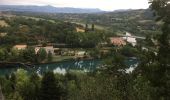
x=115, y=65
x=13, y=80
x=2, y=55
x=157, y=71
x=129, y=51
x=140, y=89
x=29, y=54
x=92, y=27
x=86, y=28
x=161, y=9
x=41, y=54
x=35, y=87
x=115, y=70
x=23, y=86
x=50, y=56
x=73, y=39
x=49, y=88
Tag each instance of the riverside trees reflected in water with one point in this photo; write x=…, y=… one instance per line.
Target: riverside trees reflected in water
x=64, y=66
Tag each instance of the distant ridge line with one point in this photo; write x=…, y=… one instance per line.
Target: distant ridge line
x=48, y=9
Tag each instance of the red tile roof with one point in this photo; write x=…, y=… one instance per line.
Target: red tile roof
x=117, y=41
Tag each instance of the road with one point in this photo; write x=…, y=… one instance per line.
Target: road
x=138, y=37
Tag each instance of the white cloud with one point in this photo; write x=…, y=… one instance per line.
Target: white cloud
x=102, y=4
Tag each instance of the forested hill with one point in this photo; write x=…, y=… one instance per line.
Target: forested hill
x=46, y=9
x=139, y=22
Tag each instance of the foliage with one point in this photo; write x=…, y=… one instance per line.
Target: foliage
x=129, y=51
x=50, y=56
x=29, y=54
x=41, y=54
x=50, y=89
x=2, y=55
x=85, y=40
x=155, y=68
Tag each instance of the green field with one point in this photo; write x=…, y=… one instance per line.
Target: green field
x=61, y=58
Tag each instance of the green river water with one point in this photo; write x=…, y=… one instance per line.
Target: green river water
x=64, y=66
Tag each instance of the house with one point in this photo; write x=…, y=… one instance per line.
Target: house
x=117, y=41
x=47, y=49
x=79, y=29
x=130, y=39
x=20, y=47
x=80, y=54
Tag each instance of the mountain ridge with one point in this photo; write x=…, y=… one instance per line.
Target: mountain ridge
x=48, y=9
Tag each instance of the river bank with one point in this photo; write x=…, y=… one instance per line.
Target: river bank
x=56, y=59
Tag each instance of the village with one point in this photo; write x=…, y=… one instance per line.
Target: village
x=63, y=51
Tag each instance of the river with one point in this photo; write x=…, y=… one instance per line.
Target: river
x=64, y=66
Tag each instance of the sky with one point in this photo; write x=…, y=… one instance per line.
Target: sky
x=107, y=5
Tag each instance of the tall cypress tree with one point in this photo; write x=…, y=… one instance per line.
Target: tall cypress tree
x=86, y=28
x=92, y=27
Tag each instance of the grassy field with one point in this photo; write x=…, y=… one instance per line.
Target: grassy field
x=61, y=58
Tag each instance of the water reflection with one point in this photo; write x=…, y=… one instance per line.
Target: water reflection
x=60, y=70
x=64, y=66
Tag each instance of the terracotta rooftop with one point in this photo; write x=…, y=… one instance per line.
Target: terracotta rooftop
x=117, y=41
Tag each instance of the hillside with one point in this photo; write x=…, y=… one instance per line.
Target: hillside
x=139, y=22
